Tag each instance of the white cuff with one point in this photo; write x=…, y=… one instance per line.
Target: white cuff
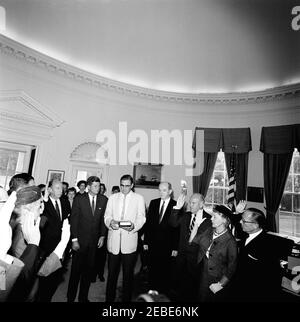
x=74, y=239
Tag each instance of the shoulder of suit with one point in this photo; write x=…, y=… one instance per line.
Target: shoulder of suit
x=103, y=197
x=137, y=195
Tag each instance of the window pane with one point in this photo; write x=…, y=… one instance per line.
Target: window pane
x=4, y=156
x=297, y=164
x=296, y=203
x=12, y=162
x=288, y=185
x=286, y=223
x=297, y=183
x=286, y=202
x=297, y=224
x=209, y=195
x=219, y=179
x=218, y=196
x=81, y=175
x=220, y=161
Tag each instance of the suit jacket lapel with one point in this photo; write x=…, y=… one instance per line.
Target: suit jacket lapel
x=87, y=198
x=52, y=209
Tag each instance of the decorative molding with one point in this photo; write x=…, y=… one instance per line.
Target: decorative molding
x=41, y=116
x=18, y=51
x=86, y=152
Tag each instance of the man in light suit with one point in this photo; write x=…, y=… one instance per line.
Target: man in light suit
x=124, y=217
x=161, y=239
x=87, y=232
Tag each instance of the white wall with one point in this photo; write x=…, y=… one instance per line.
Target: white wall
x=86, y=110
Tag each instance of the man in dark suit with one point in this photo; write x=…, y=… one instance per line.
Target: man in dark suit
x=258, y=275
x=161, y=239
x=55, y=212
x=191, y=224
x=87, y=232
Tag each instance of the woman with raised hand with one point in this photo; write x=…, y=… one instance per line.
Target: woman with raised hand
x=217, y=257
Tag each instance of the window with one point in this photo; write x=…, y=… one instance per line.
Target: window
x=14, y=159
x=218, y=187
x=289, y=210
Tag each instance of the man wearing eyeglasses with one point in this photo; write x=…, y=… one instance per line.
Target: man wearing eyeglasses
x=258, y=274
x=124, y=217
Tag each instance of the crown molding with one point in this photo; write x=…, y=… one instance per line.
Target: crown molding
x=23, y=53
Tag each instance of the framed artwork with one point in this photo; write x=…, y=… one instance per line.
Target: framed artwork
x=55, y=174
x=147, y=175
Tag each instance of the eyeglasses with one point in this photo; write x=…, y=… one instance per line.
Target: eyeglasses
x=247, y=222
x=125, y=185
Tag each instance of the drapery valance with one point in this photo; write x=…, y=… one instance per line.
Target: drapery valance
x=280, y=139
x=227, y=139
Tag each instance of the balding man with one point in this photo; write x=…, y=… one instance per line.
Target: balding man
x=258, y=275
x=56, y=211
x=161, y=239
x=191, y=223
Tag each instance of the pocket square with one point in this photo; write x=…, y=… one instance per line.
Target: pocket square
x=256, y=259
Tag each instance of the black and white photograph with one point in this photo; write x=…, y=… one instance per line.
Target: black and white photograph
x=149, y=153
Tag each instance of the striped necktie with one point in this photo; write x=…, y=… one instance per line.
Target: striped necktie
x=192, y=224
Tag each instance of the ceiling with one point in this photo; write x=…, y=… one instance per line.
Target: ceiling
x=186, y=46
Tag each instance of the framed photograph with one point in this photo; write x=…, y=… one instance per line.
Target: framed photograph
x=55, y=174
x=147, y=175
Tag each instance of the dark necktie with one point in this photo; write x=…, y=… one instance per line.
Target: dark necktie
x=161, y=212
x=57, y=209
x=192, y=224
x=93, y=205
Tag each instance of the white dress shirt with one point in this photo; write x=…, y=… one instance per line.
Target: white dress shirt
x=54, y=205
x=91, y=200
x=165, y=206
x=252, y=236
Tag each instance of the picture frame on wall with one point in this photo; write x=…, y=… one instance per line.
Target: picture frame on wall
x=147, y=175
x=55, y=174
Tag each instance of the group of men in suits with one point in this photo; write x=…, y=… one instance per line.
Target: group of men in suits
x=169, y=230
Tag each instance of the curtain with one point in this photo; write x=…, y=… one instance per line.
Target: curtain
x=241, y=174
x=201, y=182
x=276, y=170
x=229, y=140
x=277, y=143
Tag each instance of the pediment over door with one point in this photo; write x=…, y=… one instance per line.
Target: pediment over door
x=21, y=114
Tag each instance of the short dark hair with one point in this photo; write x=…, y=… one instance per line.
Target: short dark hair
x=258, y=216
x=41, y=186
x=18, y=181
x=92, y=179
x=81, y=182
x=115, y=188
x=72, y=189
x=127, y=177
x=103, y=185
x=65, y=183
